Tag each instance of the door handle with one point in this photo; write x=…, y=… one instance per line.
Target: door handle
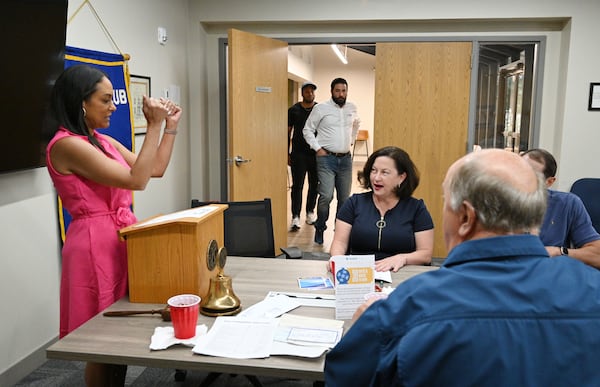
x=238, y=160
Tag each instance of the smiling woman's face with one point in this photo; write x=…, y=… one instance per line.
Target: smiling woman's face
x=99, y=106
x=384, y=177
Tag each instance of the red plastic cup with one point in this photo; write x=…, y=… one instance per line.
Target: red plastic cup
x=184, y=314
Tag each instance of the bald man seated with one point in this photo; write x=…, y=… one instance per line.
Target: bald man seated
x=567, y=228
x=498, y=312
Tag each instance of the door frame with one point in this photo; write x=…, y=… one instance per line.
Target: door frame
x=341, y=39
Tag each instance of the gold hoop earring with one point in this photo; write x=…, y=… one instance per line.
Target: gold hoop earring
x=84, y=111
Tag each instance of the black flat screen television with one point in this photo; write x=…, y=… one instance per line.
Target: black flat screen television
x=32, y=59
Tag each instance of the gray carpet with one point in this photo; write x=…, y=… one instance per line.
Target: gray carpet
x=59, y=373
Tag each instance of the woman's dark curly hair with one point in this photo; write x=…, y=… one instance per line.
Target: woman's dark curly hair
x=403, y=164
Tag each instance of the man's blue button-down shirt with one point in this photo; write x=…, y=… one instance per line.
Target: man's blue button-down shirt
x=499, y=312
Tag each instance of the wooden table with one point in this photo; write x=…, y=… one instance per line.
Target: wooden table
x=126, y=340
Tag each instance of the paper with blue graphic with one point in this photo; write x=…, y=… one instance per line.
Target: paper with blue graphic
x=354, y=276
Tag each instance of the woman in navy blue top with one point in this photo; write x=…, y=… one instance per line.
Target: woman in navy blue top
x=386, y=221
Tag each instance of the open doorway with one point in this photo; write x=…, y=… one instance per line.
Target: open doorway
x=320, y=64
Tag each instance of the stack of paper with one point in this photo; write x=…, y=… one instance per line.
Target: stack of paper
x=238, y=338
x=243, y=337
x=306, y=336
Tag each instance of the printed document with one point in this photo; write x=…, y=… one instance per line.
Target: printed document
x=354, y=276
x=238, y=338
x=196, y=212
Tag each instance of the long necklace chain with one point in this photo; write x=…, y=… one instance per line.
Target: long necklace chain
x=380, y=225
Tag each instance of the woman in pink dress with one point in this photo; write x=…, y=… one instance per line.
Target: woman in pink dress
x=94, y=175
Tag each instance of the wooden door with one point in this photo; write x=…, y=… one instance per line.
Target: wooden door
x=257, y=98
x=422, y=106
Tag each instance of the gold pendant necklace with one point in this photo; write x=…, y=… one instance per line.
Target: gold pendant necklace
x=380, y=225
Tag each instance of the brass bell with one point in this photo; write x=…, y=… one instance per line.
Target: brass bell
x=221, y=300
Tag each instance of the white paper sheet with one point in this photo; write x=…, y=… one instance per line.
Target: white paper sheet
x=308, y=299
x=385, y=276
x=238, y=338
x=271, y=307
x=293, y=320
x=287, y=349
x=196, y=212
x=309, y=331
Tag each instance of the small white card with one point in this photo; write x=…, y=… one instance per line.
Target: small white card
x=309, y=331
x=354, y=276
x=315, y=283
x=385, y=276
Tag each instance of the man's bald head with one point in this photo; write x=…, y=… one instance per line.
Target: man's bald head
x=503, y=191
x=507, y=167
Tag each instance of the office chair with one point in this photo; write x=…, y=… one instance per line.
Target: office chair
x=249, y=229
x=588, y=190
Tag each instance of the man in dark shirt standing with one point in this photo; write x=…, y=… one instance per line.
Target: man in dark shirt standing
x=302, y=158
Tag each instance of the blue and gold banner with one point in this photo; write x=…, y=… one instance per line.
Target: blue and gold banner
x=121, y=121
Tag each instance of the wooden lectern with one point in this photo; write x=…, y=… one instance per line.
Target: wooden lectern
x=167, y=255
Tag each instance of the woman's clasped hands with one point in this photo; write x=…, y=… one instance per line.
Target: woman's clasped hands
x=156, y=110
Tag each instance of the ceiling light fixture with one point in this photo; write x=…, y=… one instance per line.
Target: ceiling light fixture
x=343, y=57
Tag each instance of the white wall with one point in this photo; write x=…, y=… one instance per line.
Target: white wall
x=300, y=64
x=29, y=239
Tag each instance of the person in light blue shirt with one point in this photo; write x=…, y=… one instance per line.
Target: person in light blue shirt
x=567, y=228
x=498, y=312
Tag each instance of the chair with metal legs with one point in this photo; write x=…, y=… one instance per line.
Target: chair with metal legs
x=362, y=136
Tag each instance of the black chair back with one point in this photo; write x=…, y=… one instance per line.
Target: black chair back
x=588, y=190
x=248, y=228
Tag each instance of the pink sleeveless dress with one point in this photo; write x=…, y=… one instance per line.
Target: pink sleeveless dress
x=94, y=260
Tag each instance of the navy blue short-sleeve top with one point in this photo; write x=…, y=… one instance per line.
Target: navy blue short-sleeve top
x=396, y=231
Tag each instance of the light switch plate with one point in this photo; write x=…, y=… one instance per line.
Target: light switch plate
x=162, y=35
